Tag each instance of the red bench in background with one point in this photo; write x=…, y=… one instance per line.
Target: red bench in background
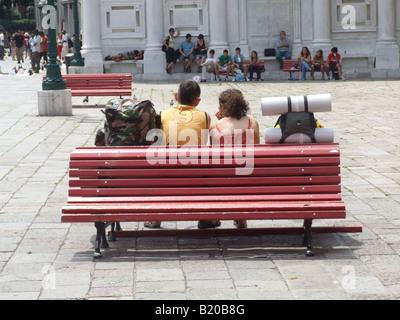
x=110, y=185
x=261, y=64
x=293, y=66
x=103, y=85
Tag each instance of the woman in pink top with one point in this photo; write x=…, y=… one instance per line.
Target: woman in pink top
x=234, y=127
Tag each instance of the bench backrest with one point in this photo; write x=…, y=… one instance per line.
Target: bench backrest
x=280, y=172
x=261, y=63
x=288, y=64
x=98, y=81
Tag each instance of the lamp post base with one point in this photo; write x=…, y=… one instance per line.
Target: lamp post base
x=55, y=103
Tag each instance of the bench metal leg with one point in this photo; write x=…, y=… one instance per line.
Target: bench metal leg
x=101, y=241
x=115, y=226
x=307, y=237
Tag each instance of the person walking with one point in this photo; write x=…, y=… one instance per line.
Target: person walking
x=1, y=45
x=20, y=46
x=35, y=51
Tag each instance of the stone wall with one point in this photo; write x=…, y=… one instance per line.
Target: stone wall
x=366, y=42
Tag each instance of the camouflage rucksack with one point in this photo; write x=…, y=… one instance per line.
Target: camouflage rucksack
x=128, y=122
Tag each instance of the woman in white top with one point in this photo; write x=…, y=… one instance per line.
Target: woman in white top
x=210, y=65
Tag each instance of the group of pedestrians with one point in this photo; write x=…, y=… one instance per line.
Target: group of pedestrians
x=25, y=46
x=20, y=46
x=185, y=124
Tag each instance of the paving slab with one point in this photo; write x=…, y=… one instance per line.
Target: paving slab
x=41, y=258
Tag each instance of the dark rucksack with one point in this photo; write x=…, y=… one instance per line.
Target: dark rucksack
x=70, y=43
x=297, y=122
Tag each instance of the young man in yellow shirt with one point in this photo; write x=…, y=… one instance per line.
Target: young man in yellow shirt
x=184, y=124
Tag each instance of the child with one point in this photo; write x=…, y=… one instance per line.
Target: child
x=225, y=63
x=334, y=59
x=238, y=61
x=318, y=64
x=209, y=65
x=184, y=124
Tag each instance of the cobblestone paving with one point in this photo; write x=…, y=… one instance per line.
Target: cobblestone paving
x=41, y=258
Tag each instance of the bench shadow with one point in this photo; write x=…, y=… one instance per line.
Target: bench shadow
x=238, y=247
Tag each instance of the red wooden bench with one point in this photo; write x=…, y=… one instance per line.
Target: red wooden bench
x=103, y=85
x=109, y=185
x=292, y=66
x=261, y=64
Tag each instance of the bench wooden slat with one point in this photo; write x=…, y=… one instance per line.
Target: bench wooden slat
x=204, y=182
x=117, y=192
x=257, y=162
x=207, y=198
x=101, y=76
x=215, y=172
x=259, y=215
x=101, y=93
x=179, y=207
x=91, y=153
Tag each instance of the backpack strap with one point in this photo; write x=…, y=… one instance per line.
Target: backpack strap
x=306, y=104
x=206, y=120
x=290, y=109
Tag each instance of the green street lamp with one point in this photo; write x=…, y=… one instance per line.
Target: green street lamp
x=54, y=79
x=77, y=61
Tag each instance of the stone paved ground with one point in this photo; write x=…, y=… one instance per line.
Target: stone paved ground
x=40, y=258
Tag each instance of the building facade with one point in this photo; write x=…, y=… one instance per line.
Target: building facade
x=367, y=32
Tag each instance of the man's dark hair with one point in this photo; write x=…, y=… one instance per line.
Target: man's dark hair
x=335, y=50
x=226, y=50
x=212, y=51
x=188, y=92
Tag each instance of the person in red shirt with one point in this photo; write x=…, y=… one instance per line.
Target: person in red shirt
x=44, y=47
x=334, y=62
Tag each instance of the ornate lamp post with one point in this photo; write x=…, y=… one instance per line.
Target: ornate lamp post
x=77, y=61
x=54, y=79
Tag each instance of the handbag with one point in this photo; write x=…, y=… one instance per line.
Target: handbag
x=270, y=52
x=164, y=47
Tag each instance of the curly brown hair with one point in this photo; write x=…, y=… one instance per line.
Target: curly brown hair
x=234, y=104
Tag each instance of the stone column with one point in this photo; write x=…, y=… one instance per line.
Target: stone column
x=297, y=45
x=218, y=26
x=92, y=50
x=322, y=25
x=154, y=58
x=387, y=50
x=244, y=46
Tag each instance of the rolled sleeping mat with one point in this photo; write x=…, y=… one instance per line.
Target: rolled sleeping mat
x=274, y=136
x=282, y=105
